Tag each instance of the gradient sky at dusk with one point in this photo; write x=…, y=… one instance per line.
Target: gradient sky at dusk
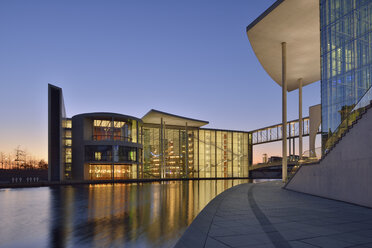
x=189, y=58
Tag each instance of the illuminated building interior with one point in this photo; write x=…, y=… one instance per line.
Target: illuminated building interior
x=346, y=53
x=110, y=146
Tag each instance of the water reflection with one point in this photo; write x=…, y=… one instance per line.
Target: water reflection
x=129, y=215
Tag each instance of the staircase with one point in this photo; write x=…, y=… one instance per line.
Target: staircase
x=345, y=170
x=357, y=113
x=308, y=157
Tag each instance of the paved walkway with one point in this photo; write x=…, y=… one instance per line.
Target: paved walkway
x=265, y=215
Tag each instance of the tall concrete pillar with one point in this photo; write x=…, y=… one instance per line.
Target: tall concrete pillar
x=315, y=115
x=187, y=152
x=284, y=111
x=300, y=123
x=289, y=139
x=112, y=152
x=161, y=152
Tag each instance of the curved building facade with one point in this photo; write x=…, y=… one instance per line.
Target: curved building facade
x=106, y=146
x=110, y=146
x=160, y=145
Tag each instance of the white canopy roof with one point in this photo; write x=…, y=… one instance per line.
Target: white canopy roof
x=295, y=22
x=155, y=116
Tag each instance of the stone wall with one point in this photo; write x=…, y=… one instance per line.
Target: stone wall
x=346, y=171
x=9, y=176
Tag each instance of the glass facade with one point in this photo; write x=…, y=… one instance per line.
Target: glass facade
x=106, y=146
x=67, y=146
x=173, y=152
x=107, y=161
x=104, y=171
x=346, y=57
x=167, y=152
x=115, y=130
x=110, y=147
x=98, y=153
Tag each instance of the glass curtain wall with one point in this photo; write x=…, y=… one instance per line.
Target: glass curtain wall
x=174, y=152
x=223, y=154
x=67, y=146
x=115, y=130
x=209, y=154
x=151, y=152
x=104, y=171
x=168, y=152
x=346, y=54
x=120, y=161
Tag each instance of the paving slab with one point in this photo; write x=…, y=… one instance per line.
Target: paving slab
x=266, y=215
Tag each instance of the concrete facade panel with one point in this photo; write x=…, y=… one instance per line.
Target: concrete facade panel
x=345, y=173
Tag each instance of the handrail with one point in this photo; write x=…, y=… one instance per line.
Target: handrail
x=358, y=109
x=103, y=137
x=308, y=157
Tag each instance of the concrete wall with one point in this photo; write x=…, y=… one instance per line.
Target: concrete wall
x=346, y=172
x=55, y=165
x=7, y=175
x=78, y=151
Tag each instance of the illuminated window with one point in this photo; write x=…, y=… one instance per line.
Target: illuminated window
x=346, y=57
x=67, y=123
x=97, y=156
x=102, y=130
x=68, y=155
x=116, y=130
x=98, y=153
x=68, y=134
x=67, y=142
x=104, y=171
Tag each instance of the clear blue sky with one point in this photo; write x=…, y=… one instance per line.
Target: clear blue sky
x=190, y=58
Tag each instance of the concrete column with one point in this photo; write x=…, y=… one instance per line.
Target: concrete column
x=284, y=111
x=161, y=152
x=187, y=152
x=198, y=155
x=300, y=121
x=315, y=115
x=112, y=151
x=289, y=140
x=164, y=144
x=137, y=151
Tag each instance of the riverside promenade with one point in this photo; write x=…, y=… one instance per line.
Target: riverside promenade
x=265, y=215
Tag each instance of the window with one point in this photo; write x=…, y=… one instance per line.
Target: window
x=123, y=130
x=97, y=156
x=98, y=153
x=102, y=130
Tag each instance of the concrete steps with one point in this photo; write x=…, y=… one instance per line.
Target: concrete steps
x=344, y=172
x=297, y=167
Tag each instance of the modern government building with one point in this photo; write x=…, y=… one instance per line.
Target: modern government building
x=106, y=146
x=298, y=42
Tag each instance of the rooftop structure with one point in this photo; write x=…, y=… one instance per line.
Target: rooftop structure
x=299, y=42
x=156, y=117
x=295, y=22
x=110, y=146
x=286, y=41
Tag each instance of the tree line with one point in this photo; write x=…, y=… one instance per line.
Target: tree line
x=21, y=159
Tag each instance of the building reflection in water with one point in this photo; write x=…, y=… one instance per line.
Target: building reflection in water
x=130, y=215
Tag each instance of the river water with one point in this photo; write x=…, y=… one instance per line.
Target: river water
x=104, y=215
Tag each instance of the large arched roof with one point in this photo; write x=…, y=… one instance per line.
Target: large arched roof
x=295, y=22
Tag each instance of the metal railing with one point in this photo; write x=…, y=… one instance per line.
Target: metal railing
x=99, y=137
x=308, y=157
x=274, y=133
x=358, y=110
